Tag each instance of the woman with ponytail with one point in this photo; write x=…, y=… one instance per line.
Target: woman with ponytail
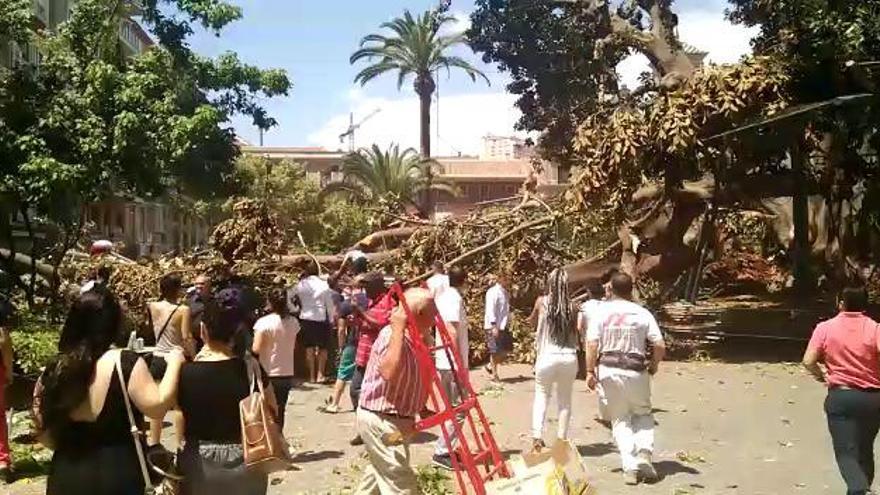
x=81, y=403
x=556, y=364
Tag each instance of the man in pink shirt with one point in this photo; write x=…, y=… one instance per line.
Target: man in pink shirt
x=849, y=347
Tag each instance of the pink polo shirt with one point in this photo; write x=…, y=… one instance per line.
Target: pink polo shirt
x=847, y=344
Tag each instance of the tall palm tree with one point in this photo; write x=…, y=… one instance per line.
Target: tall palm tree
x=415, y=49
x=372, y=174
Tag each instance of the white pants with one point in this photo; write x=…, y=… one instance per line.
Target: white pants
x=559, y=370
x=628, y=394
x=447, y=381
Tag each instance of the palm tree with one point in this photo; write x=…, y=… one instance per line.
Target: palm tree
x=371, y=174
x=415, y=49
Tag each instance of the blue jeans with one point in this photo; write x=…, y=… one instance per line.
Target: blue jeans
x=853, y=421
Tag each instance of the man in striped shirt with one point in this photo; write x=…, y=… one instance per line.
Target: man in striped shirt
x=394, y=391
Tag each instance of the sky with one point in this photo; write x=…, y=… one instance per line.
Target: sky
x=313, y=39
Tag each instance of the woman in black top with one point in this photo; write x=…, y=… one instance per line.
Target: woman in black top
x=211, y=388
x=81, y=407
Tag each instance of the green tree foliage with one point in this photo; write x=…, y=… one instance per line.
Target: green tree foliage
x=328, y=224
x=548, y=52
x=89, y=122
x=416, y=48
x=393, y=177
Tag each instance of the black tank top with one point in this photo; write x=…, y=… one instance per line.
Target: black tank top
x=112, y=426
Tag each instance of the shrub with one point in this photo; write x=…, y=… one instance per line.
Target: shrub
x=34, y=342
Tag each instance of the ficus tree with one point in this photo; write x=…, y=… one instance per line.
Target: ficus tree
x=648, y=156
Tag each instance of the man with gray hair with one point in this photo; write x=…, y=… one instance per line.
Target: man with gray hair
x=395, y=390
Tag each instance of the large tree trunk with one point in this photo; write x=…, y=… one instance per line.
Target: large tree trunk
x=801, y=216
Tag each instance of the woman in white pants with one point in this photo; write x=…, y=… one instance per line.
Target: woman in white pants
x=556, y=363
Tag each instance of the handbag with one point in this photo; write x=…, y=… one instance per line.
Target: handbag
x=169, y=483
x=265, y=449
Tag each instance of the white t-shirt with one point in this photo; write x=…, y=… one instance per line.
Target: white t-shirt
x=279, y=341
x=450, y=306
x=623, y=326
x=437, y=283
x=589, y=310
x=497, y=308
x=315, y=299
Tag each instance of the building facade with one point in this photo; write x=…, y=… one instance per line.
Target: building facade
x=479, y=180
x=137, y=227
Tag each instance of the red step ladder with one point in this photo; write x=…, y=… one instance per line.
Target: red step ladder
x=475, y=458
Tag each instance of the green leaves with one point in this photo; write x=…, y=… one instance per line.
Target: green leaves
x=92, y=123
x=394, y=176
x=416, y=48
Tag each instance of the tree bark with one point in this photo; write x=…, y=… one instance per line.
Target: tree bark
x=424, y=86
x=801, y=216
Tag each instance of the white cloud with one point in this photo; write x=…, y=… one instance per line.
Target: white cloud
x=703, y=29
x=464, y=120
x=461, y=23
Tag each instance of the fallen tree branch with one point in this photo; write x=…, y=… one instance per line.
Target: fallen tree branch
x=385, y=238
x=334, y=260
x=484, y=247
x=309, y=253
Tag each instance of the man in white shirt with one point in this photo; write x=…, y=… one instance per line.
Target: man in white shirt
x=316, y=312
x=617, y=356
x=495, y=319
x=439, y=281
x=590, y=310
x=450, y=307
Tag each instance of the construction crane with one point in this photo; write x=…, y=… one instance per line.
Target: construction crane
x=349, y=133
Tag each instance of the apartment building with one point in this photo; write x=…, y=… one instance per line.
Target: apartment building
x=138, y=227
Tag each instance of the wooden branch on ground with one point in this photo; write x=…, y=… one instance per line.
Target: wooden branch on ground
x=484, y=247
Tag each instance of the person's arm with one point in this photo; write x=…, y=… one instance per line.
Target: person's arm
x=259, y=340
x=655, y=337
x=591, y=352
x=811, y=363
x=151, y=399
x=189, y=341
x=592, y=360
x=490, y=316
x=341, y=331
x=536, y=311
x=391, y=362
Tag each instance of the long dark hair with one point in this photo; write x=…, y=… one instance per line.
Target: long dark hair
x=559, y=314
x=93, y=324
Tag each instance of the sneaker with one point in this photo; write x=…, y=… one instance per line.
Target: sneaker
x=631, y=478
x=356, y=441
x=328, y=409
x=646, y=467
x=443, y=462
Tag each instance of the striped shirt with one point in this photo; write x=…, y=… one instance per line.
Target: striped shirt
x=380, y=310
x=404, y=397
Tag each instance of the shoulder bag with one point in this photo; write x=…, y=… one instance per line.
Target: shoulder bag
x=170, y=483
x=265, y=449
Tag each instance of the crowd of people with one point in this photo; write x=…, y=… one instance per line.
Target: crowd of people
x=91, y=400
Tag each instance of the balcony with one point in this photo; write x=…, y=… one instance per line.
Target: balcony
x=128, y=34
x=41, y=10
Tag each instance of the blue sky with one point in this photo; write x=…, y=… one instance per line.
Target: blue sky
x=312, y=40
